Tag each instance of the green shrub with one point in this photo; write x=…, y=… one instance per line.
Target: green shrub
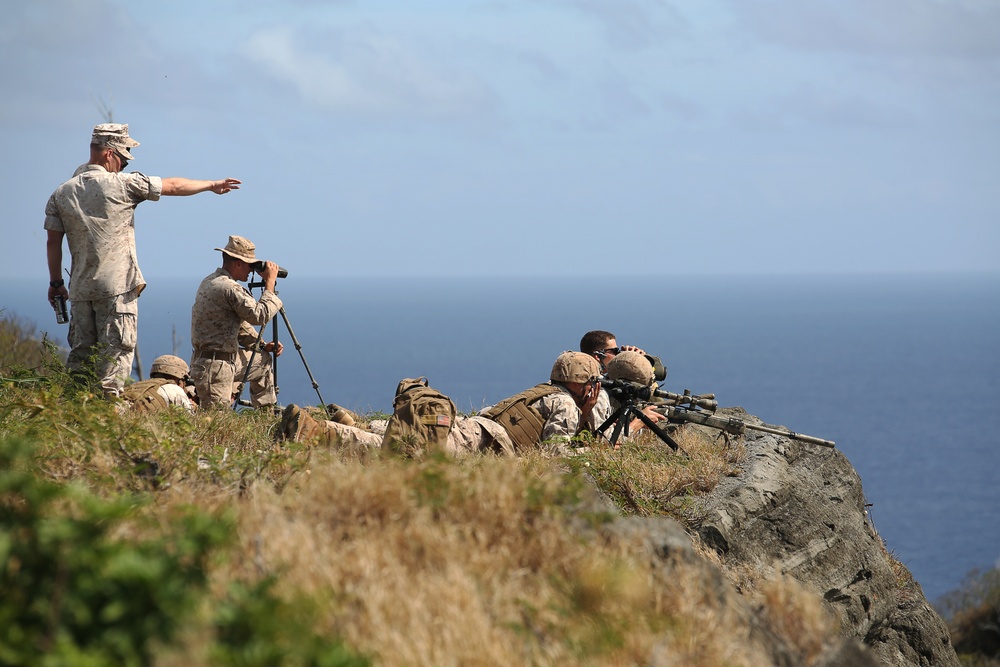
x=76, y=591
x=973, y=613
x=255, y=627
x=94, y=581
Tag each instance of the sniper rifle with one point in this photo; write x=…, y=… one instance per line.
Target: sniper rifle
x=695, y=409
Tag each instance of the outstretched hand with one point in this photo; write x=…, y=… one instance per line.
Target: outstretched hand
x=225, y=185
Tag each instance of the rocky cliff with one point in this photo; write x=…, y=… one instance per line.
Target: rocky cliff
x=798, y=510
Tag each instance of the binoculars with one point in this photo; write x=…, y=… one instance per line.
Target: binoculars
x=258, y=266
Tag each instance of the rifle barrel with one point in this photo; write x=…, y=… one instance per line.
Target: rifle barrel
x=793, y=435
x=736, y=426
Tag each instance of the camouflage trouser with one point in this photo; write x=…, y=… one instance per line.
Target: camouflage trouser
x=350, y=436
x=469, y=435
x=213, y=382
x=479, y=435
x=261, y=377
x=217, y=380
x=102, y=336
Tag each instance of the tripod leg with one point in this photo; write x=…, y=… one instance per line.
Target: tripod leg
x=274, y=356
x=620, y=418
x=661, y=434
x=298, y=348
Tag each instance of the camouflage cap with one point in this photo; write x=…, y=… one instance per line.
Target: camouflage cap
x=114, y=135
x=240, y=248
x=574, y=367
x=168, y=364
x=631, y=366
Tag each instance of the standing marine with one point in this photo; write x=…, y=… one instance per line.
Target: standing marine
x=95, y=212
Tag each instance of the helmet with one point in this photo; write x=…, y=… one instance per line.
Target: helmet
x=631, y=366
x=168, y=364
x=575, y=367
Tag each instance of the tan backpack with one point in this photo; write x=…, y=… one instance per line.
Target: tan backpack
x=522, y=422
x=144, y=397
x=421, y=420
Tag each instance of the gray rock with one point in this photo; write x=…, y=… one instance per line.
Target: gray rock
x=798, y=509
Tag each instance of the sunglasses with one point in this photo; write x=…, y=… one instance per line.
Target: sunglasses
x=609, y=350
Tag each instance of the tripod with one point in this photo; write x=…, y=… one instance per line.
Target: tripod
x=623, y=416
x=274, y=365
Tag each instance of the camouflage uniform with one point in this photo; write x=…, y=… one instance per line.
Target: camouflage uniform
x=475, y=434
x=561, y=414
x=602, y=410
x=560, y=418
x=134, y=396
x=261, y=376
x=95, y=210
x=175, y=395
x=468, y=435
x=221, y=306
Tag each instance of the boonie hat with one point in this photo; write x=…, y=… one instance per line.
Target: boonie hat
x=631, y=366
x=168, y=364
x=116, y=136
x=574, y=367
x=240, y=248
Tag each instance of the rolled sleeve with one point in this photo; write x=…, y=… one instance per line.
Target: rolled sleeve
x=141, y=187
x=53, y=222
x=562, y=416
x=155, y=188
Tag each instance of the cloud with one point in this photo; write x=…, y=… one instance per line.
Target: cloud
x=934, y=28
x=871, y=63
x=631, y=25
x=827, y=107
x=365, y=72
x=620, y=103
x=76, y=60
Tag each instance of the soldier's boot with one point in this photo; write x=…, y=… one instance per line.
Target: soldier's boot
x=298, y=425
x=341, y=415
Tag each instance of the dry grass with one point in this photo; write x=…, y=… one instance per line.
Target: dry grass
x=645, y=477
x=479, y=561
x=21, y=348
x=474, y=563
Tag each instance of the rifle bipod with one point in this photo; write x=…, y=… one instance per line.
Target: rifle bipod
x=623, y=416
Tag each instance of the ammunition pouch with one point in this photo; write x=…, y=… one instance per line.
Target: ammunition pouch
x=522, y=422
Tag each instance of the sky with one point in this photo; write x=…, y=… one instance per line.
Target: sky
x=529, y=137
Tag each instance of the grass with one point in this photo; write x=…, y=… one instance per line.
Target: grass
x=315, y=556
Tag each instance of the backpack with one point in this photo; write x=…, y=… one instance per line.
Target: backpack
x=421, y=420
x=143, y=397
x=522, y=422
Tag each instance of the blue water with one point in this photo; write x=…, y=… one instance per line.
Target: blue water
x=902, y=371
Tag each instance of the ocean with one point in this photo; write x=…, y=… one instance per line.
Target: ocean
x=902, y=371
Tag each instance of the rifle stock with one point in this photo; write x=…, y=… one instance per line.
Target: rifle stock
x=733, y=425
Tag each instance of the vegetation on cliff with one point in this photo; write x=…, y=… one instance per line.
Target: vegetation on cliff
x=175, y=539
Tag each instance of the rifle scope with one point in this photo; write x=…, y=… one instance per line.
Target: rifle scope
x=624, y=390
